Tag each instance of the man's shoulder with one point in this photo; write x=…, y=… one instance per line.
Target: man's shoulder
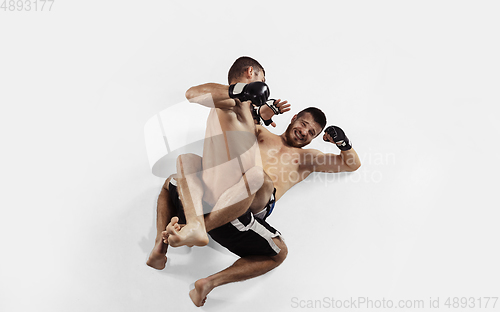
x=261, y=130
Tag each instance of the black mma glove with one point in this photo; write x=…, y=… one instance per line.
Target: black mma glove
x=339, y=138
x=256, y=91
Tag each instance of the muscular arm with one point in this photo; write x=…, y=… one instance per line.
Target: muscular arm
x=210, y=94
x=316, y=161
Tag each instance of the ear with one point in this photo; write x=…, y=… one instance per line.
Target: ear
x=294, y=118
x=249, y=72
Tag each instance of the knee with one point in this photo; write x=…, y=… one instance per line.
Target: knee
x=266, y=189
x=281, y=256
x=267, y=186
x=189, y=159
x=258, y=180
x=255, y=178
x=188, y=163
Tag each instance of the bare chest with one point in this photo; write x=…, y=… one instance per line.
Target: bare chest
x=281, y=163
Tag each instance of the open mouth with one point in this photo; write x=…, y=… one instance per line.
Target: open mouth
x=298, y=136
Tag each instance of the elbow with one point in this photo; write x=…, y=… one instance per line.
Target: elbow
x=190, y=94
x=357, y=166
x=354, y=167
x=351, y=164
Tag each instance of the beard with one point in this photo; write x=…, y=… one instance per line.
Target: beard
x=290, y=138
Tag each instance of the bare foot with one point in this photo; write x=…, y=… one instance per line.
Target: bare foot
x=192, y=234
x=173, y=223
x=157, y=258
x=200, y=291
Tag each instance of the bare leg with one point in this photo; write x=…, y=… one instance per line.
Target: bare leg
x=243, y=269
x=235, y=201
x=231, y=204
x=190, y=189
x=218, y=217
x=164, y=212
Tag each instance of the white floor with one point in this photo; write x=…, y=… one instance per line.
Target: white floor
x=414, y=86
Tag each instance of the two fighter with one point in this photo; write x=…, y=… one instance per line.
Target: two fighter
x=233, y=183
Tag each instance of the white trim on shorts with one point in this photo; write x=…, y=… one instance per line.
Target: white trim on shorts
x=259, y=229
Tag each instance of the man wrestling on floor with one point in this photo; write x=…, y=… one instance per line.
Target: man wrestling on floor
x=240, y=235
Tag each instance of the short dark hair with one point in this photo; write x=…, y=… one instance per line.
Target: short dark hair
x=240, y=66
x=317, y=115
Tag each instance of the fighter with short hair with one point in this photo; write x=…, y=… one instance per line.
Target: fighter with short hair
x=285, y=163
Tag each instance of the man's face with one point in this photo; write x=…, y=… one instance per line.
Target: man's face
x=302, y=131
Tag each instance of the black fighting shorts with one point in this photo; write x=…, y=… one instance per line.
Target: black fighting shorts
x=245, y=236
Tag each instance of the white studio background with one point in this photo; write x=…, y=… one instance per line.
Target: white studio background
x=414, y=84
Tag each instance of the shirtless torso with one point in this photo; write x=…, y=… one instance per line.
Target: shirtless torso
x=230, y=149
x=287, y=163
x=283, y=163
x=233, y=147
